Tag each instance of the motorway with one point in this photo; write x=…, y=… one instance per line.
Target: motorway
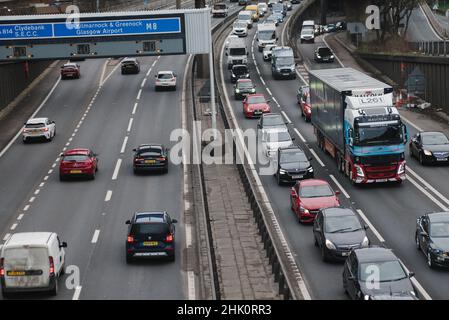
x=419, y=28
x=111, y=114
x=391, y=211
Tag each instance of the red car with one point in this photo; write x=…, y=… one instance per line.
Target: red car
x=70, y=70
x=78, y=162
x=255, y=105
x=310, y=195
x=303, y=97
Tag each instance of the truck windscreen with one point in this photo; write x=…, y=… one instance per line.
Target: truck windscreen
x=285, y=61
x=237, y=51
x=266, y=35
x=372, y=135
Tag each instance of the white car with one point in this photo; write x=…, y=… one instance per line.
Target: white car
x=267, y=51
x=272, y=140
x=31, y=262
x=39, y=128
x=165, y=79
x=308, y=35
x=240, y=28
x=263, y=8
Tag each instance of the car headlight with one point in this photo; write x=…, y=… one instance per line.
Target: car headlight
x=282, y=171
x=435, y=249
x=318, y=56
x=332, y=56
x=237, y=91
x=278, y=69
x=310, y=169
x=366, y=297
x=302, y=209
x=253, y=90
x=365, y=242
x=427, y=152
x=247, y=75
x=330, y=245
x=359, y=170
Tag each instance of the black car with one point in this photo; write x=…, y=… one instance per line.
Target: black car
x=149, y=157
x=375, y=273
x=295, y=1
x=337, y=231
x=130, y=65
x=340, y=25
x=293, y=165
x=330, y=28
x=288, y=5
x=271, y=121
x=430, y=147
x=432, y=238
x=243, y=87
x=272, y=19
x=239, y=71
x=150, y=234
x=324, y=54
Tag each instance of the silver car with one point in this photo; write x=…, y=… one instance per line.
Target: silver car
x=39, y=128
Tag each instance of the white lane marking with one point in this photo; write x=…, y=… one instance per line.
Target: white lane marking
x=139, y=94
x=108, y=196
x=269, y=91
x=67, y=144
x=6, y=236
x=5, y=149
x=26, y=207
x=431, y=197
x=95, y=236
x=154, y=63
x=428, y=22
x=64, y=149
x=299, y=135
x=103, y=72
x=42, y=184
x=418, y=286
x=20, y=217
x=50, y=171
x=125, y=141
x=57, y=159
x=117, y=169
x=374, y=230
x=263, y=81
x=130, y=124
x=45, y=178
x=316, y=157
x=339, y=186
x=191, y=285
x=286, y=117
x=149, y=71
x=411, y=123
x=32, y=199
x=143, y=82
x=53, y=165
x=109, y=75
x=135, y=107
x=417, y=176
x=188, y=235
x=76, y=294
x=14, y=226
x=37, y=191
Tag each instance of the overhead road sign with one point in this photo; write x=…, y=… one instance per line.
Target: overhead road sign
x=95, y=35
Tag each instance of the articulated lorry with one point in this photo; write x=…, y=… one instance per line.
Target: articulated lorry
x=356, y=123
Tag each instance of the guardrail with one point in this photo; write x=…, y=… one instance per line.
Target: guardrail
x=432, y=48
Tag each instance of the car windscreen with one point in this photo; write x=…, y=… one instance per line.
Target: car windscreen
x=292, y=157
x=324, y=52
x=164, y=76
x=34, y=125
x=316, y=191
x=149, y=228
x=439, y=230
x=245, y=85
x=281, y=136
x=240, y=70
x=273, y=121
x=240, y=25
x=385, y=270
x=219, y=6
x=237, y=51
x=76, y=157
x=307, y=31
x=245, y=16
x=436, y=138
x=149, y=152
x=129, y=62
x=334, y=224
x=23, y=259
x=266, y=35
x=256, y=99
x=285, y=61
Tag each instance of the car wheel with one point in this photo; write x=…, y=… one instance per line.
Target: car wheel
x=25, y=140
x=54, y=291
x=278, y=177
x=129, y=259
x=421, y=159
x=62, y=271
x=61, y=177
x=418, y=246
x=165, y=170
x=92, y=176
x=324, y=254
x=135, y=171
x=429, y=260
x=172, y=258
x=316, y=242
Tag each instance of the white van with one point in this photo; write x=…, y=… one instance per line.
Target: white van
x=306, y=24
x=30, y=262
x=246, y=16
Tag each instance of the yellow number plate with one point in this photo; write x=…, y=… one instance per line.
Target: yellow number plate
x=75, y=171
x=150, y=243
x=15, y=273
x=150, y=161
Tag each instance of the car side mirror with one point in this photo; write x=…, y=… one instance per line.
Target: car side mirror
x=134, y=150
x=277, y=39
x=411, y=274
x=293, y=139
x=53, y=122
x=226, y=54
x=337, y=192
x=128, y=222
x=366, y=227
x=174, y=221
x=423, y=234
x=61, y=154
x=351, y=278
x=257, y=39
x=155, y=76
x=63, y=245
x=310, y=158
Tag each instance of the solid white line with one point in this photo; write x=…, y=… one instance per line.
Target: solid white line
x=376, y=233
x=125, y=141
x=154, y=63
x=6, y=236
x=135, y=107
x=26, y=207
x=411, y=123
x=32, y=116
x=316, y=157
x=139, y=94
x=418, y=286
x=148, y=73
x=339, y=186
x=191, y=285
x=418, y=186
x=14, y=226
x=95, y=236
x=428, y=22
x=327, y=45
x=108, y=196
x=300, y=135
x=269, y=91
x=130, y=124
x=32, y=199
x=109, y=75
x=117, y=169
x=20, y=217
x=143, y=82
x=103, y=72
x=286, y=117
x=76, y=294
x=446, y=200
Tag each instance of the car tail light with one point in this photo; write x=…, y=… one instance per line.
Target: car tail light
x=44, y=129
x=161, y=159
x=138, y=159
x=130, y=239
x=25, y=130
x=169, y=237
x=2, y=269
x=52, y=266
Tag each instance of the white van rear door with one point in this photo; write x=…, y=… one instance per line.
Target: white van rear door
x=26, y=267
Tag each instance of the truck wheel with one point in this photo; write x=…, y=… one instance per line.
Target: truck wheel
x=54, y=291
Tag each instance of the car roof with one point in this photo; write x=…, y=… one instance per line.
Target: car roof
x=36, y=120
x=338, y=212
x=77, y=151
x=372, y=254
x=291, y=149
x=322, y=47
x=271, y=114
x=150, y=145
x=129, y=59
x=239, y=66
x=425, y=133
x=165, y=72
x=29, y=238
x=314, y=182
x=439, y=217
x=70, y=64
x=150, y=217
x=244, y=80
